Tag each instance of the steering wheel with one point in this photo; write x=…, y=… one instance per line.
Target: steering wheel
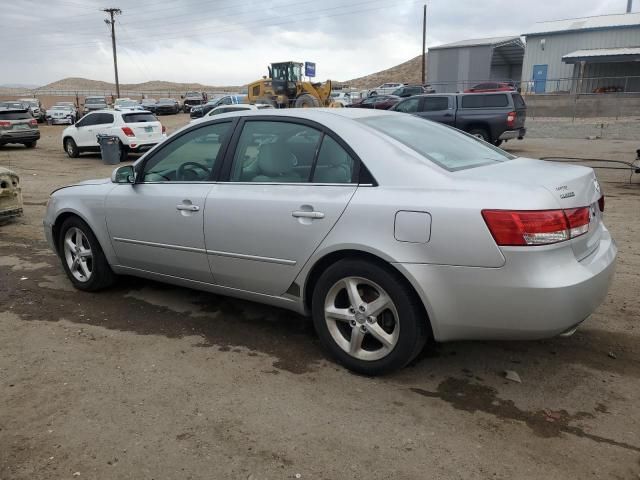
x=188, y=168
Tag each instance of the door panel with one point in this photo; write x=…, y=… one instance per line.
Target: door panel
x=158, y=227
x=259, y=236
x=438, y=108
x=540, y=78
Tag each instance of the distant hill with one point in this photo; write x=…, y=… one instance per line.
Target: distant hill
x=407, y=72
x=74, y=83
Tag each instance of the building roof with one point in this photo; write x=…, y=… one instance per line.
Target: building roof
x=621, y=20
x=603, y=55
x=477, y=42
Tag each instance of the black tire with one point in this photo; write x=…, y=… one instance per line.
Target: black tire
x=481, y=133
x=306, y=101
x=497, y=143
x=31, y=144
x=71, y=148
x=101, y=276
x=413, y=326
x=124, y=152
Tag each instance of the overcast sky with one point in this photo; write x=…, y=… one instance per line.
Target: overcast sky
x=226, y=42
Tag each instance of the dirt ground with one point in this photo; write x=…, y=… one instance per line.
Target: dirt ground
x=147, y=381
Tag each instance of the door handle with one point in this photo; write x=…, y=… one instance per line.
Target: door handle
x=303, y=214
x=188, y=208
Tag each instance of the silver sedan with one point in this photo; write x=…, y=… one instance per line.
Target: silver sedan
x=388, y=229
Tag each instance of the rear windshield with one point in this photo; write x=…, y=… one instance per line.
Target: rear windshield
x=139, y=118
x=485, y=101
x=444, y=146
x=14, y=115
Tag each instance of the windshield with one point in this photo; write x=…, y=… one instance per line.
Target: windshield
x=61, y=107
x=94, y=100
x=128, y=103
x=33, y=103
x=445, y=146
x=165, y=100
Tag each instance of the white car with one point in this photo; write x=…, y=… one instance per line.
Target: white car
x=123, y=104
x=233, y=108
x=385, y=89
x=61, y=114
x=344, y=98
x=138, y=131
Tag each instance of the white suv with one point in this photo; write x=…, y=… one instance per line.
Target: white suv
x=385, y=89
x=137, y=131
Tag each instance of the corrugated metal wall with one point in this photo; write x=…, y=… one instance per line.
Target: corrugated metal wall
x=559, y=44
x=449, y=68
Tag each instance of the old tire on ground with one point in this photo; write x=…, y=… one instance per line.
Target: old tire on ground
x=367, y=317
x=31, y=144
x=82, y=257
x=480, y=133
x=306, y=101
x=71, y=148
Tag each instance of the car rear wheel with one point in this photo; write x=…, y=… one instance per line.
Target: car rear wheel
x=497, y=143
x=82, y=257
x=31, y=144
x=71, y=148
x=480, y=133
x=367, y=317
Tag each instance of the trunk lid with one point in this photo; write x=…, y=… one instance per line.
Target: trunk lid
x=572, y=186
x=145, y=126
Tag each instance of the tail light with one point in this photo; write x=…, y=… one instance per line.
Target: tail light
x=536, y=227
x=164, y=129
x=511, y=119
x=128, y=132
x=33, y=122
x=601, y=203
x=4, y=123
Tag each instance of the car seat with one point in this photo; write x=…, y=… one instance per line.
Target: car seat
x=334, y=164
x=276, y=163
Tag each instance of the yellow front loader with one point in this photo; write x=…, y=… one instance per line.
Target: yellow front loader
x=285, y=89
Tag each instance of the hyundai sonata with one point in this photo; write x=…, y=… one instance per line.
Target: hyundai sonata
x=386, y=228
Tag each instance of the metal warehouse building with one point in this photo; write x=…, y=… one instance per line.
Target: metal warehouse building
x=456, y=66
x=584, y=55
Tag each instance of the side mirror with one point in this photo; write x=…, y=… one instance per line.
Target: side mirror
x=124, y=174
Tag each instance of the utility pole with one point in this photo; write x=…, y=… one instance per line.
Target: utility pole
x=629, y=6
x=113, y=12
x=424, y=42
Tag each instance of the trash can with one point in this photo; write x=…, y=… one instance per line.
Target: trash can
x=109, y=149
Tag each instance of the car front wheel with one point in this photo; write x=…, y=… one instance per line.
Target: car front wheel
x=82, y=257
x=367, y=317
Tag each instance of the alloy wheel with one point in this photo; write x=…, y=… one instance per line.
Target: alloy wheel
x=78, y=254
x=362, y=318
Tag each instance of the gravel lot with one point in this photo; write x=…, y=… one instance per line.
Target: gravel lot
x=147, y=381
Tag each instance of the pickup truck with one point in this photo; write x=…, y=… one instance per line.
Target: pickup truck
x=193, y=99
x=493, y=117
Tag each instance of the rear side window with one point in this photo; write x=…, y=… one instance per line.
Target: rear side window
x=435, y=104
x=518, y=101
x=103, y=118
x=334, y=164
x=14, y=115
x=139, y=118
x=485, y=101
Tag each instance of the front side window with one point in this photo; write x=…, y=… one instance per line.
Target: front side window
x=408, y=106
x=188, y=158
x=275, y=152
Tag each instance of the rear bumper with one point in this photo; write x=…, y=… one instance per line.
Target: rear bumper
x=537, y=294
x=21, y=137
x=139, y=148
x=511, y=134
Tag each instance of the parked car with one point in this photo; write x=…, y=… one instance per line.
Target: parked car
x=453, y=239
x=34, y=107
x=58, y=114
x=235, y=108
x=138, y=132
x=71, y=105
x=193, y=99
x=493, y=117
x=167, y=106
x=15, y=105
x=92, y=104
x=409, y=90
x=384, y=89
x=127, y=105
x=18, y=126
x=491, y=87
x=377, y=102
x=149, y=104
x=10, y=195
x=343, y=98
x=202, y=110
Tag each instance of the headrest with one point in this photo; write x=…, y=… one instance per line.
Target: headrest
x=275, y=159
